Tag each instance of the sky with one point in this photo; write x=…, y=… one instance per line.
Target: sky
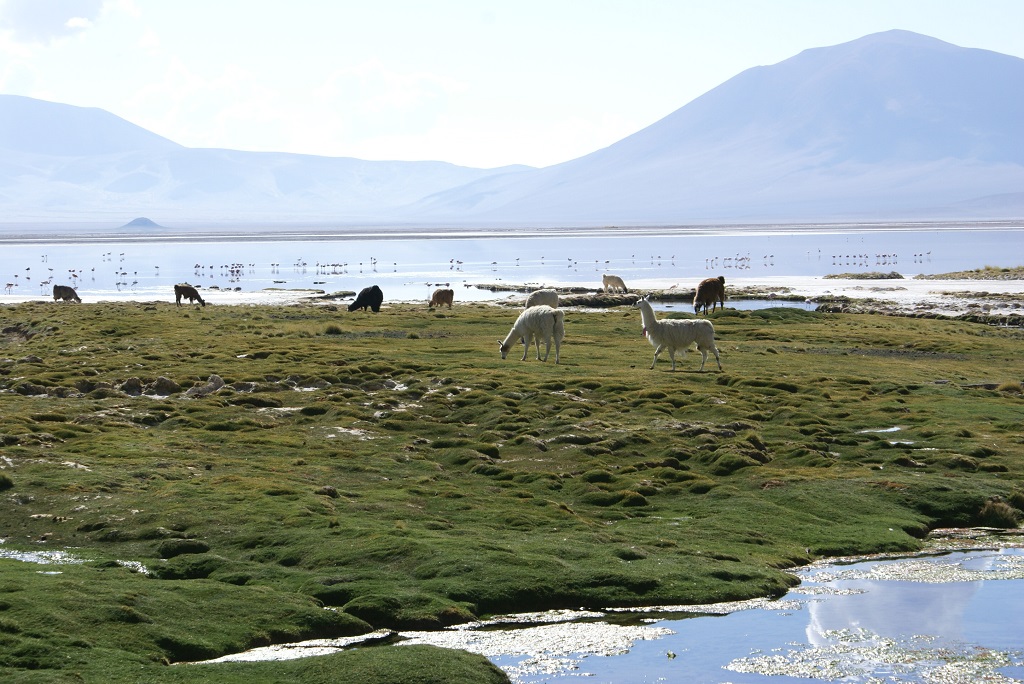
x=480, y=83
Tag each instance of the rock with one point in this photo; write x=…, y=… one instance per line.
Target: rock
x=28, y=389
x=132, y=386
x=214, y=383
x=328, y=490
x=177, y=547
x=163, y=386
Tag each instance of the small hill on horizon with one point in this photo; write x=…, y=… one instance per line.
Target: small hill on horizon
x=142, y=222
x=894, y=125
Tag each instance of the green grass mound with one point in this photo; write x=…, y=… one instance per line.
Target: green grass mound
x=249, y=476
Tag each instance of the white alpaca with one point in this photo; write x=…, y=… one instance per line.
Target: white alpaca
x=545, y=297
x=613, y=283
x=536, y=323
x=677, y=335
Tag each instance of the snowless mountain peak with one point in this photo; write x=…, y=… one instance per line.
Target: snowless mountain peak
x=893, y=124
x=51, y=128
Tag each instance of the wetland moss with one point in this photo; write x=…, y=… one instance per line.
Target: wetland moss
x=401, y=473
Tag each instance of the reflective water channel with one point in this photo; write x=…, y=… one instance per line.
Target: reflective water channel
x=945, y=616
x=408, y=267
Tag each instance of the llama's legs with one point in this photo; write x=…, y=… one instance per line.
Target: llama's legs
x=526, y=347
x=704, y=356
x=657, y=351
x=558, y=344
x=547, y=348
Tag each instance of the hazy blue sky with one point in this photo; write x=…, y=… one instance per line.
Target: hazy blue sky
x=476, y=82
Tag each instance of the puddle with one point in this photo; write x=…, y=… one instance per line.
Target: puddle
x=41, y=557
x=301, y=649
x=880, y=430
x=58, y=557
x=741, y=305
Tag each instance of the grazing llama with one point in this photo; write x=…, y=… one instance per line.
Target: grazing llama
x=545, y=297
x=441, y=297
x=677, y=335
x=710, y=291
x=371, y=297
x=536, y=323
x=65, y=293
x=184, y=290
x=613, y=283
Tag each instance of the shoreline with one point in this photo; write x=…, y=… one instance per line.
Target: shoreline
x=908, y=295
x=71, y=232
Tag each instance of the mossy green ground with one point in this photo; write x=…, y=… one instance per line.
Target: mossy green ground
x=393, y=467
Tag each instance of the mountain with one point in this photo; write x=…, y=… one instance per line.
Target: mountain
x=892, y=125
x=142, y=222
x=37, y=127
x=59, y=162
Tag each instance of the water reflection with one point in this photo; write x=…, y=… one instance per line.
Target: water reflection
x=952, y=617
x=409, y=267
x=948, y=618
x=942, y=618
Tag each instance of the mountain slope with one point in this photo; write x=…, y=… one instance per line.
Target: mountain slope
x=50, y=128
x=891, y=122
x=894, y=124
x=74, y=163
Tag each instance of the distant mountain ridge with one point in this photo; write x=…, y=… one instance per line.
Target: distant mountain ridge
x=890, y=123
x=50, y=128
x=61, y=162
x=894, y=124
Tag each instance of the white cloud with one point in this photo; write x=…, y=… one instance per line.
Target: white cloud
x=78, y=23
x=17, y=78
x=43, y=21
x=230, y=105
x=374, y=88
x=149, y=41
x=486, y=142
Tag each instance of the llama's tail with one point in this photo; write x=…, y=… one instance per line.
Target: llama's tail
x=559, y=323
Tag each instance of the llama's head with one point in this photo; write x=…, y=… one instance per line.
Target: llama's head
x=642, y=302
x=503, y=348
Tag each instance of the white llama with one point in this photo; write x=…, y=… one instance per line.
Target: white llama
x=677, y=334
x=613, y=283
x=547, y=297
x=536, y=323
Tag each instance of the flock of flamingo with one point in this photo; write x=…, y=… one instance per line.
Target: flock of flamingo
x=236, y=271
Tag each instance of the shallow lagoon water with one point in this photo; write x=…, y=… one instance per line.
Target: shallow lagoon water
x=938, y=618
x=945, y=618
x=941, y=618
x=408, y=266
